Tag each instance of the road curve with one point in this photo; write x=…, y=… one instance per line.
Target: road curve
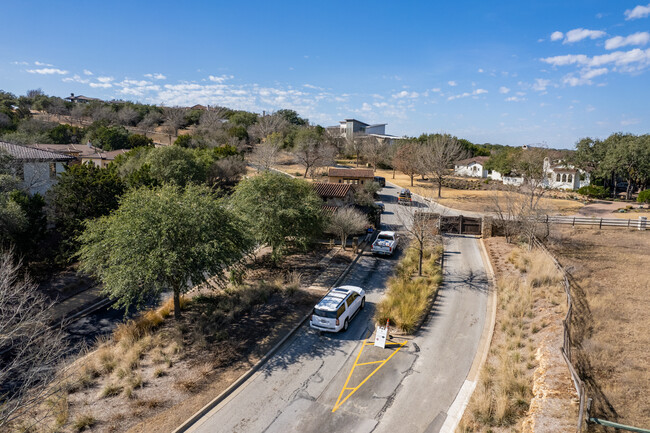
x=298, y=388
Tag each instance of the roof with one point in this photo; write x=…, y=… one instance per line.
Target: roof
x=353, y=120
x=351, y=172
x=335, y=297
x=339, y=190
x=26, y=153
x=80, y=150
x=329, y=210
x=477, y=159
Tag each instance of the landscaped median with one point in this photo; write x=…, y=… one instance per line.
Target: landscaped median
x=409, y=296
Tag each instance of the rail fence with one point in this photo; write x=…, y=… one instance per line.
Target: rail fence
x=634, y=224
x=566, y=348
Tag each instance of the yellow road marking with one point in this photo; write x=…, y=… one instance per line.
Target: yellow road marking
x=340, y=402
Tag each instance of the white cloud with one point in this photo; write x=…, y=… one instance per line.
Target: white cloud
x=577, y=35
x=619, y=58
x=585, y=77
x=480, y=71
x=102, y=85
x=156, y=76
x=105, y=79
x=405, y=94
x=556, y=36
x=19, y=63
x=75, y=79
x=639, y=38
x=637, y=12
x=627, y=122
x=366, y=107
x=474, y=94
x=138, y=83
x=452, y=83
x=220, y=78
x=87, y=72
x=503, y=90
x=567, y=59
x=515, y=99
x=380, y=104
x=37, y=63
x=540, y=84
x=436, y=89
x=47, y=71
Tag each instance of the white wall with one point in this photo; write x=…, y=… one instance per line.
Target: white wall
x=516, y=181
x=474, y=169
x=37, y=177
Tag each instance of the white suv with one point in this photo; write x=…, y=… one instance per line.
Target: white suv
x=335, y=310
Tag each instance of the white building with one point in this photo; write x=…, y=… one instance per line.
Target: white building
x=36, y=170
x=560, y=175
x=351, y=128
x=472, y=167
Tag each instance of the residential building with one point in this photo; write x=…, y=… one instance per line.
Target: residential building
x=335, y=194
x=353, y=176
x=561, y=175
x=353, y=128
x=472, y=167
x=80, y=99
x=83, y=153
x=36, y=170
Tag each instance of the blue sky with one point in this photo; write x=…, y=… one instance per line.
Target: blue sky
x=508, y=72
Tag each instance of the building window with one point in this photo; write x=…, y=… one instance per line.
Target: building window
x=339, y=180
x=20, y=172
x=570, y=178
x=52, y=170
x=564, y=178
x=558, y=178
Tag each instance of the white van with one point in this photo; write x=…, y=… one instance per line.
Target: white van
x=335, y=310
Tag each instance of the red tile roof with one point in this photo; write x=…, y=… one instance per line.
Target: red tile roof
x=338, y=190
x=351, y=172
x=329, y=210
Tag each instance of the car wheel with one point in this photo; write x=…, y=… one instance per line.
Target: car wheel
x=345, y=325
x=363, y=302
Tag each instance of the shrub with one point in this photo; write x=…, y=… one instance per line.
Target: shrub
x=644, y=196
x=83, y=422
x=594, y=191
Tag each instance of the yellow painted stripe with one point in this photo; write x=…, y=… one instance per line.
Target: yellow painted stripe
x=371, y=362
x=336, y=406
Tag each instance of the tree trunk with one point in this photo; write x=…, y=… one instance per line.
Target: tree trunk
x=393, y=173
x=628, y=191
x=306, y=170
x=177, y=303
x=412, y=180
x=357, y=159
x=439, y=187
x=420, y=263
x=344, y=240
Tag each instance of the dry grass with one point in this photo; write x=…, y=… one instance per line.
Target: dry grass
x=83, y=422
x=408, y=297
x=610, y=268
x=505, y=389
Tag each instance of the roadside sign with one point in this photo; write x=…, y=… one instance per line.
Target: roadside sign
x=380, y=336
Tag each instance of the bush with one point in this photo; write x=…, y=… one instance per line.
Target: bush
x=594, y=191
x=644, y=196
x=139, y=140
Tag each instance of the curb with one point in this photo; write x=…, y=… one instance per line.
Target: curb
x=83, y=311
x=243, y=378
x=457, y=408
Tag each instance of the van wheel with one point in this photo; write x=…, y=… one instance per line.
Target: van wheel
x=345, y=325
x=363, y=302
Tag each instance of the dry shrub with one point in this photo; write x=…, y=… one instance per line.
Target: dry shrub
x=408, y=298
x=111, y=390
x=187, y=385
x=83, y=421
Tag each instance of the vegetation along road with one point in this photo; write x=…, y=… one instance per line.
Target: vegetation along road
x=341, y=382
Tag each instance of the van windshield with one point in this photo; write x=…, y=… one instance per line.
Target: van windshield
x=324, y=313
x=385, y=237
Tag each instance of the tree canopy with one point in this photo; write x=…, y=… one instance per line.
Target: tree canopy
x=167, y=238
x=277, y=209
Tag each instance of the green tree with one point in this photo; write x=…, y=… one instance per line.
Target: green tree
x=65, y=134
x=242, y=118
x=278, y=208
x=162, y=239
x=108, y=137
x=83, y=192
x=173, y=164
x=138, y=140
x=292, y=117
x=183, y=141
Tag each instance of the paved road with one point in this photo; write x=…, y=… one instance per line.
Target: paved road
x=407, y=387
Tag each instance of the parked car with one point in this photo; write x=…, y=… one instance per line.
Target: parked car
x=404, y=197
x=381, y=206
x=335, y=311
x=381, y=181
x=386, y=243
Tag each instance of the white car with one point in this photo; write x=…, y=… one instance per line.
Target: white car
x=386, y=243
x=334, y=312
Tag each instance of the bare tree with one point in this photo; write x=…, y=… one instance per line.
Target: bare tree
x=266, y=153
x=421, y=226
x=440, y=154
x=375, y=151
x=31, y=349
x=354, y=144
x=517, y=216
x=311, y=151
x=211, y=120
x=127, y=116
x=346, y=221
x=174, y=119
x=267, y=125
x=150, y=121
x=227, y=171
x=102, y=112
x=409, y=159
x=77, y=114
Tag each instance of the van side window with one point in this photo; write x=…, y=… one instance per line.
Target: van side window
x=351, y=299
x=341, y=310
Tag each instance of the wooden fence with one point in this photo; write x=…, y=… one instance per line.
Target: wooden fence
x=633, y=224
x=566, y=348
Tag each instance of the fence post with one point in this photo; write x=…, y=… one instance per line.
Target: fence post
x=601, y=224
x=629, y=220
x=642, y=222
x=574, y=222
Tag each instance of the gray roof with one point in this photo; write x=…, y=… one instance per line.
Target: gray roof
x=25, y=153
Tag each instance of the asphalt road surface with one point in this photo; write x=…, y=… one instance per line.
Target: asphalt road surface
x=342, y=383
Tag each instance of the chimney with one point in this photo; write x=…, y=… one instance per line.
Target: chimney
x=72, y=95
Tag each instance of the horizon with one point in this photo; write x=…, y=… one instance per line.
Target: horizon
x=504, y=73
